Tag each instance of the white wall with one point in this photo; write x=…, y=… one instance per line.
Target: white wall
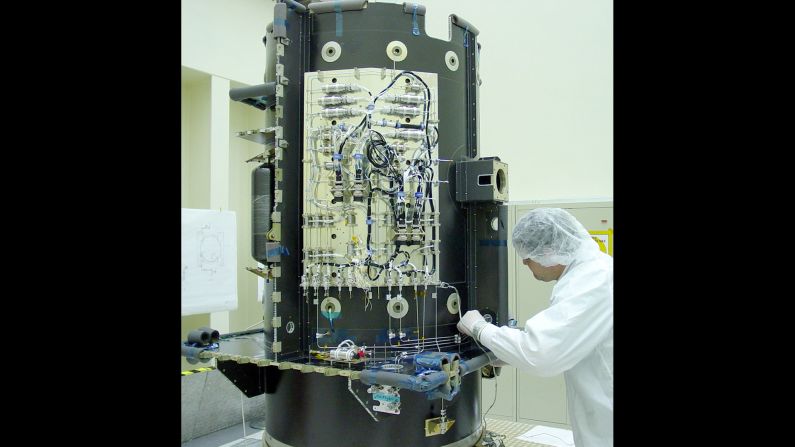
x=547, y=94
x=224, y=38
x=547, y=69
x=215, y=176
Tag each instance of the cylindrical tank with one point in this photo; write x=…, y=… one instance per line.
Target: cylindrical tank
x=306, y=409
x=260, y=211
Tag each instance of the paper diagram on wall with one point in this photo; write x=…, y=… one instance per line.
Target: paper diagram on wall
x=209, y=261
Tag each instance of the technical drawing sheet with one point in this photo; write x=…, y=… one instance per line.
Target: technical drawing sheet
x=209, y=261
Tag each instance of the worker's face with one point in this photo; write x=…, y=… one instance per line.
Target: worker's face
x=542, y=273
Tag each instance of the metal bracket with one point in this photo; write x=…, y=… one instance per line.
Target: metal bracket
x=259, y=272
x=261, y=158
x=264, y=136
x=435, y=426
x=275, y=234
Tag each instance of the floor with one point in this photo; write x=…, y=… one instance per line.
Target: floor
x=234, y=437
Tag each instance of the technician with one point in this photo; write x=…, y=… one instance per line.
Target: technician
x=574, y=335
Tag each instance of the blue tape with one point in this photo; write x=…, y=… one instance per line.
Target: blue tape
x=338, y=10
x=357, y=156
x=280, y=22
x=466, y=40
x=330, y=315
x=415, y=29
x=337, y=156
x=280, y=250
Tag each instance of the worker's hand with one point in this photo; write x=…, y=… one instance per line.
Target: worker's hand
x=472, y=323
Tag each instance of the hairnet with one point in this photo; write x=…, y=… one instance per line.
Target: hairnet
x=551, y=236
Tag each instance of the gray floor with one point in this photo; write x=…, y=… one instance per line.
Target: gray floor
x=229, y=437
x=212, y=404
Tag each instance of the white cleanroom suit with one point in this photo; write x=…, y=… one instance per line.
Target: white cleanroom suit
x=574, y=335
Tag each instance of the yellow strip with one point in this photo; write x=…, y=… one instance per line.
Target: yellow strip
x=197, y=370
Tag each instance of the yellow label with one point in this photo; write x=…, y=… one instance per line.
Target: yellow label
x=604, y=239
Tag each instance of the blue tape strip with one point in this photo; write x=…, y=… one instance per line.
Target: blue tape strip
x=280, y=22
x=466, y=39
x=280, y=250
x=415, y=29
x=338, y=10
x=493, y=243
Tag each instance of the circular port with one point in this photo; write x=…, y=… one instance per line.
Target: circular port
x=396, y=50
x=453, y=303
x=451, y=59
x=502, y=184
x=397, y=308
x=331, y=51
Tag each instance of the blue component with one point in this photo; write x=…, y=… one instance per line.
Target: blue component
x=434, y=360
x=280, y=250
x=415, y=28
x=357, y=156
x=401, y=194
x=466, y=41
x=418, y=194
x=386, y=397
x=337, y=156
x=338, y=11
x=330, y=315
x=369, y=221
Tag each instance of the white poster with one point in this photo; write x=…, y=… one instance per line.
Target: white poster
x=209, y=261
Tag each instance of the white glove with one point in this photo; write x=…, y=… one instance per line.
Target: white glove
x=472, y=323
